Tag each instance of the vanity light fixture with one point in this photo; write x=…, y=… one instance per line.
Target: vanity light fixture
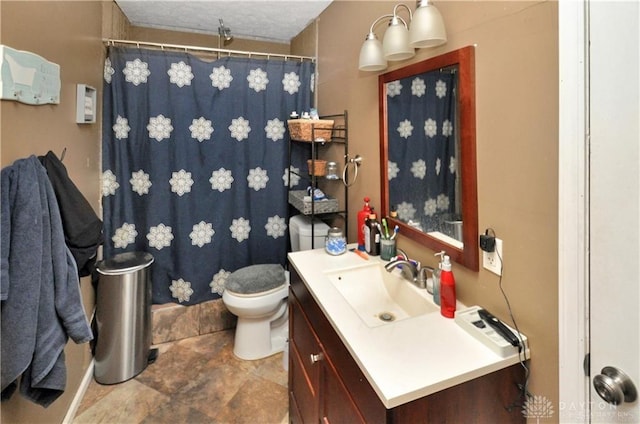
x=395, y=44
x=425, y=28
x=371, y=56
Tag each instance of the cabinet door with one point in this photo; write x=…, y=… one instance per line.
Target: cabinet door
x=304, y=375
x=337, y=405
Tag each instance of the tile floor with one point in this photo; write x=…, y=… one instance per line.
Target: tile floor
x=194, y=380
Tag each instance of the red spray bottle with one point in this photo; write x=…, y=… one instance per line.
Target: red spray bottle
x=362, y=217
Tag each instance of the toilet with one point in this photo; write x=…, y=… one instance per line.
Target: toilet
x=258, y=296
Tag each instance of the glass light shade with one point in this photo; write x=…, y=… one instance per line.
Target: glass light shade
x=395, y=43
x=371, y=58
x=427, y=27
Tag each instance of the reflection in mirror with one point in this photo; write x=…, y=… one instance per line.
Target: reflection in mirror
x=423, y=151
x=428, y=153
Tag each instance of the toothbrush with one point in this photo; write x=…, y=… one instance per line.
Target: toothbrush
x=386, y=228
x=360, y=253
x=396, y=229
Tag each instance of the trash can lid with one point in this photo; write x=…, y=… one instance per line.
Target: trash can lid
x=124, y=263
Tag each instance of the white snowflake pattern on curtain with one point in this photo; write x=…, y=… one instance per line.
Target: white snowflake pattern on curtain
x=181, y=290
x=202, y=233
x=109, y=183
x=180, y=74
x=221, y=180
x=201, y=129
x=258, y=80
x=239, y=128
x=182, y=169
x=292, y=173
x=218, y=281
x=274, y=129
x=136, y=72
x=221, y=78
x=140, y=182
x=121, y=128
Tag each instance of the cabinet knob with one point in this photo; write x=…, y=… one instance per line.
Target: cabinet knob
x=316, y=357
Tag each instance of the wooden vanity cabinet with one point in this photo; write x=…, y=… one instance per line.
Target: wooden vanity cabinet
x=327, y=386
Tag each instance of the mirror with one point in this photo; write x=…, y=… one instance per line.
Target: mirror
x=428, y=153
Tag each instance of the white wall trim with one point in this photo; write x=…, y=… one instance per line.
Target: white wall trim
x=77, y=399
x=573, y=216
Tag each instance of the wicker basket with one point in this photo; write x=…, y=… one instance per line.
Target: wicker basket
x=297, y=199
x=317, y=167
x=310, y=129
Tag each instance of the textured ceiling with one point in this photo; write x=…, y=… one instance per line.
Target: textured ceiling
x=269, y=20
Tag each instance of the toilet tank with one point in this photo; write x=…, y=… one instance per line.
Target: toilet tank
x=300, y=232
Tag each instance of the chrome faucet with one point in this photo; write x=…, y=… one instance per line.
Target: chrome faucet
x=410, y=272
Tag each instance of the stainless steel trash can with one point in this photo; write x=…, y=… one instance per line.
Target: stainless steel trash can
x=123, y=317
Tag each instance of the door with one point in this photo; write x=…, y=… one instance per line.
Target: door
x=614, y=207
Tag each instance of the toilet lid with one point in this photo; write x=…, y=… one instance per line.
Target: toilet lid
x=256, y=279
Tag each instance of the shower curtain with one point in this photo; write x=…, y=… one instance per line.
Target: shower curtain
x=194, y=161
x=423, y=161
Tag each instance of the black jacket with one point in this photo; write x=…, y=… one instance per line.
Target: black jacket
x=82, y=227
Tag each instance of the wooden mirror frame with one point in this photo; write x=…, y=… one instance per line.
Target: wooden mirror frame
x=464, y=58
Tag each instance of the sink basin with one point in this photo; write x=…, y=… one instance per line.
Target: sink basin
x=380, y=297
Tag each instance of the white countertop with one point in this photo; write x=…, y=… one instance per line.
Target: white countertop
x=405, y=360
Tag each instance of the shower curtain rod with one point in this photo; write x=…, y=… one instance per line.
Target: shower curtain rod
x=162, y=46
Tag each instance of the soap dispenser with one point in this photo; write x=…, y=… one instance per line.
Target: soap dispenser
x=447, y=289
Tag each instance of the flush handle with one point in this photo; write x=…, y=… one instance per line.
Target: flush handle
x=316, y=357
x=614, y=386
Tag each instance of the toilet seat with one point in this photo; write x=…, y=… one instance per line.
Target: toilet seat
x=258, y=279
x=258, y=294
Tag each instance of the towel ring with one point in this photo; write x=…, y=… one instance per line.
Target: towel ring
x=356, y=162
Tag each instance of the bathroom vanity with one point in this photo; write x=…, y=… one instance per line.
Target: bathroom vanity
x=421, y=369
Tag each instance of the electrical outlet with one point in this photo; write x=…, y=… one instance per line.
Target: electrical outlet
x=493, y=260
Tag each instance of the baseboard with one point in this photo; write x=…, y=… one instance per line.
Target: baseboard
x=77, y=399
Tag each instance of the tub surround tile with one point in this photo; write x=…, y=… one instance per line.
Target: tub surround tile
x=174, y=322
x=214, y=316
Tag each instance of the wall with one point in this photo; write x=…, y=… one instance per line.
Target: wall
x=517, y=126
x=43, y=28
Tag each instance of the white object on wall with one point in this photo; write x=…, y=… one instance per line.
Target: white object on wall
x=85, y=104
x=28, y=78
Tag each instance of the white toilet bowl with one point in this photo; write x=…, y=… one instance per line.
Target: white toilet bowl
x=263, y=319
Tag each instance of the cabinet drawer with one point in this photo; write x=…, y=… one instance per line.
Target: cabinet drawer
x=304, y=341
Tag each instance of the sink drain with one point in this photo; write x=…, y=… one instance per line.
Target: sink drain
x=386, y=316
